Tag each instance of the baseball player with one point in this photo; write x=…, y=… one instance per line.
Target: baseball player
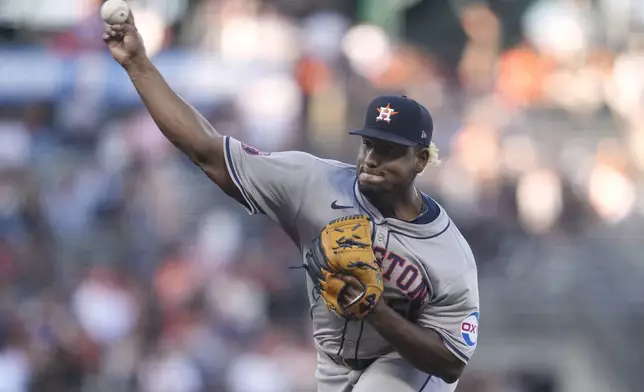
x=393, y=283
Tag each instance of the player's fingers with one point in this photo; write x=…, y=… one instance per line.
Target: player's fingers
x=112, y=38
x=350, y=294
x=115, y=35
x=117, y=27
x=352, y=281
x=123, y=29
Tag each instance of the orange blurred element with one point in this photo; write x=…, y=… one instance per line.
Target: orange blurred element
x=612, y=153
x=480, y=24
x=476, y=148
x=312, y=75
x=522, y=73
x=407, y=65
x=602, y=59
x=173, y=283
x=477, y=68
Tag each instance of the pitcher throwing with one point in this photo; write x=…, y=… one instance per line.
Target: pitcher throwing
x=392, y=282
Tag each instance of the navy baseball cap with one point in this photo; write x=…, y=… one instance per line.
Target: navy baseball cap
x=398, y=119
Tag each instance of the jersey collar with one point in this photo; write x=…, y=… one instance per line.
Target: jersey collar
x=420, y=228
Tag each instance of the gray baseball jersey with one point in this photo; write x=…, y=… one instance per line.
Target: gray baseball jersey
x=428, y=269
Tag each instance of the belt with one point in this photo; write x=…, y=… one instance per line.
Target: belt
x=353, y=363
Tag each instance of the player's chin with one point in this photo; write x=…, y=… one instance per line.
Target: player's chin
x=371, y=187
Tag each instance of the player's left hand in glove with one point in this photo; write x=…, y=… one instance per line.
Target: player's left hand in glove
x=344, y=248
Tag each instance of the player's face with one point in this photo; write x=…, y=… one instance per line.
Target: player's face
x=385, y=167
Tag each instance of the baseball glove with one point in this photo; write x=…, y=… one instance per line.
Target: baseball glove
x=344, y=247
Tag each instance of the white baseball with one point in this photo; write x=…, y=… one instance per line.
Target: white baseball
x=115, y=12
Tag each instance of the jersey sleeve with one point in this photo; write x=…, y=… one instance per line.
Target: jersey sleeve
x=273, y=184
x=454, y=314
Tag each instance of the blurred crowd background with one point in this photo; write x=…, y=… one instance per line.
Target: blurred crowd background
x=122, y=268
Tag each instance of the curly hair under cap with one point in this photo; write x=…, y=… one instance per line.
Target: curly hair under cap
x=434, y=160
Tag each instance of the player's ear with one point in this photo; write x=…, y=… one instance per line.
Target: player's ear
x=422, y=158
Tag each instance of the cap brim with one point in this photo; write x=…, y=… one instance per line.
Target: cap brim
x=384, y=135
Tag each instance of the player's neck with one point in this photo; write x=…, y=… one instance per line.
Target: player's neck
x=405, y=206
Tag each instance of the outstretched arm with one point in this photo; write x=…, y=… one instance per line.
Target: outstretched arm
x=179, y=121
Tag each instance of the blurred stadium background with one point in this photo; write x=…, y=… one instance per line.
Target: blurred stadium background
x=123, y=269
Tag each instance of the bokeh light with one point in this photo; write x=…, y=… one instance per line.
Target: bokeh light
x=123, y=268
x=368, y=50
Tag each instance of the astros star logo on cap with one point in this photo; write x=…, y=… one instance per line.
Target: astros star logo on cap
x=386, y=113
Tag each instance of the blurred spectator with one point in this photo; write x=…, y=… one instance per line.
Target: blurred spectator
x=123, y=269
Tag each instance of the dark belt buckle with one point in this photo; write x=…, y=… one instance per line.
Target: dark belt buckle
x=357, y=364
x=349, y=363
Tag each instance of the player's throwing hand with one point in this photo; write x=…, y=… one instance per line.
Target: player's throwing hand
x=353, y=290
x=125, y=42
